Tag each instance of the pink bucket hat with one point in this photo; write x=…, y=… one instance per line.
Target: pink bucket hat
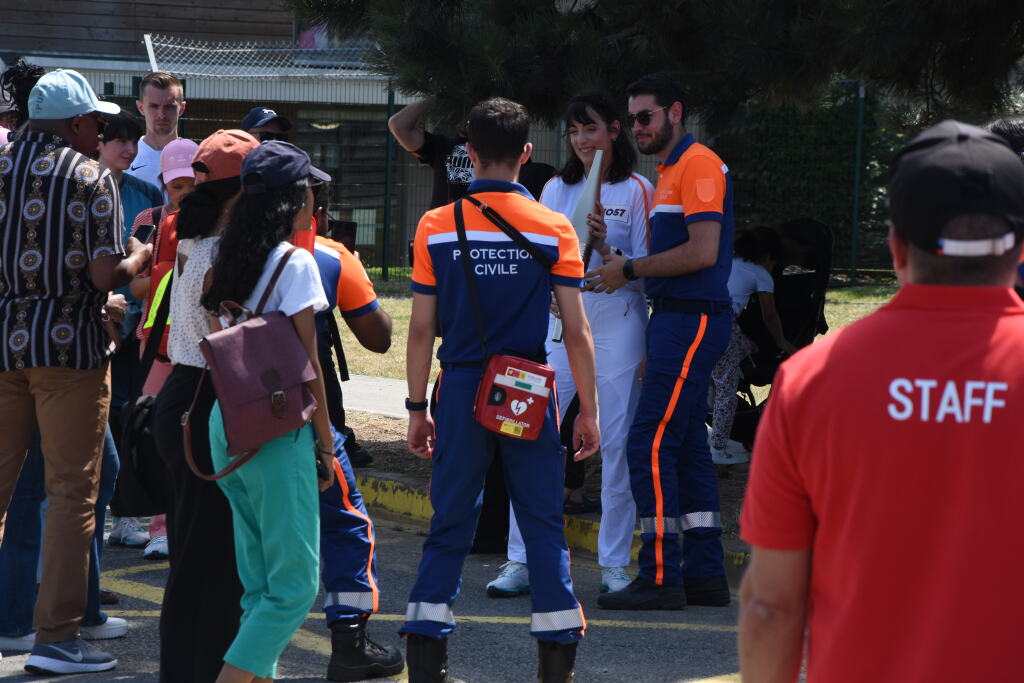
x=176, y=160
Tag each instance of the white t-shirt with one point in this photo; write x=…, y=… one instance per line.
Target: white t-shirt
x=298, y=287
x=146, y=164
x=745, y=279
x=189, y=320
x=626, y=206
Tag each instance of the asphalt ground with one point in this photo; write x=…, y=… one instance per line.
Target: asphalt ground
x=491, y=643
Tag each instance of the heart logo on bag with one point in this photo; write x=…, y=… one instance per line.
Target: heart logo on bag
x=518, y=407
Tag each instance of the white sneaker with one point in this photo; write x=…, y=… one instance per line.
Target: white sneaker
x=20, y=644
x=721, y=456
x=113, y=627
x=127, y=531
x=513, y=580
x=614, y=579
x=156, y=549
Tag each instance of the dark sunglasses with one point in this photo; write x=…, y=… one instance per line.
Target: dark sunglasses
x=644, y=117
x=101, y=123
x=266, y=135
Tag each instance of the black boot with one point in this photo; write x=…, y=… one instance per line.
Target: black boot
x=557, y=661
x=643, y=595
x=354, y=657
x=427, y=659
x=712, y=591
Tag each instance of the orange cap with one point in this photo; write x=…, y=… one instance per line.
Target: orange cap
x=221, y=155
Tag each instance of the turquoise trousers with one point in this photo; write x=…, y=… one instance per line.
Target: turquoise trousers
x=276, y=515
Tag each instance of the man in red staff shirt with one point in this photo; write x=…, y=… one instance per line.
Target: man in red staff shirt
x=886, y=470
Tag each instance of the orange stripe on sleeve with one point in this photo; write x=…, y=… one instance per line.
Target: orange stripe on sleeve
x=659, y=503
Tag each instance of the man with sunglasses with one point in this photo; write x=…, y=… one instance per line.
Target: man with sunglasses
x=264, y=124
x=685, y=276
x=60, y=214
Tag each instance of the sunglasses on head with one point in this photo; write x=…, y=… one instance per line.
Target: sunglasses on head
x=643, y=117
x=266, y=135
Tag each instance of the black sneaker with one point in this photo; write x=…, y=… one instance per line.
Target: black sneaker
x=357, y=455
x=68, y=657
x=644, y=594
x=712, y=591
x=354, y=657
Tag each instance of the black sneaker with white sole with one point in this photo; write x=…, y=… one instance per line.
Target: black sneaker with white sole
x=68, y=657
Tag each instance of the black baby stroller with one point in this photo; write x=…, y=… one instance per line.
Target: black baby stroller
x=801, y=278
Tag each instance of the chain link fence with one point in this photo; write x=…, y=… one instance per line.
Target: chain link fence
x=785, y=163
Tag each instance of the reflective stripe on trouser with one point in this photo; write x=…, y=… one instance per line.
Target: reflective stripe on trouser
x=347, y=542
x=671, y=473
x=534, y=472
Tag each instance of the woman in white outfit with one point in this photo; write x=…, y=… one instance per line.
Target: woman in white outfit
x=617, y=320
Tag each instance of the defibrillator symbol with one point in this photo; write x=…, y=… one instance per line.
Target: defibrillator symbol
x=518, y=407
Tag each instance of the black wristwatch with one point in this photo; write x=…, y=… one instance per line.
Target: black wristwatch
x=416, y=405
x=627, y=270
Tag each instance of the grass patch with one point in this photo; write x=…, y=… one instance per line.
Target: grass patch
x=392, y=363
x=843, y=305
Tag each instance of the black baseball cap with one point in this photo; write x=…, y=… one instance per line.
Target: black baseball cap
x=260, y=116
x=950, y=170
x=276, y=164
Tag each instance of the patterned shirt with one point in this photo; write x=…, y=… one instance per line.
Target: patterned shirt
x=59, y=210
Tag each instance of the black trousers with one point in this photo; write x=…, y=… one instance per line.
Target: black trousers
x=202, y=607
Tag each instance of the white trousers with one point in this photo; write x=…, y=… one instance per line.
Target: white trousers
x=618, y=323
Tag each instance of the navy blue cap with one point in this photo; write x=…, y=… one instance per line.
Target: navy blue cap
x=276, y=164
x=260, y=116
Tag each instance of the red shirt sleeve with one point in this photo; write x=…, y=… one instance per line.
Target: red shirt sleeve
x=777, y=511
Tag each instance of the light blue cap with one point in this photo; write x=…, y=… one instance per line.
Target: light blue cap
x=63, y=94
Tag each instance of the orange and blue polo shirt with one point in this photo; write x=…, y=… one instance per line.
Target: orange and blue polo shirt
x=514, y=289
x=693, y=185
x=355, y=293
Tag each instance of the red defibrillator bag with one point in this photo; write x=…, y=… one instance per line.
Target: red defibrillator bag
x=512, y=399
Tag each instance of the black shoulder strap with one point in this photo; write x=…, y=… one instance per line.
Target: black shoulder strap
x=510, y=230
x=474, y=297
x=335, y=334
x=158, y=213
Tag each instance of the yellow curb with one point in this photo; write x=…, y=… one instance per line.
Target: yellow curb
x=404, y=499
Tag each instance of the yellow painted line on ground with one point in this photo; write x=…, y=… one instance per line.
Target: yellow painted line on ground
x=396, y=497
x=135, y=569
x=133, y=613
x=727, y=678
x=134, y=589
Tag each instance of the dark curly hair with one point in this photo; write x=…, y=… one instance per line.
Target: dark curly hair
x=201, y=207
x=258, y=223
x=17, y=82
x=759, y=241
x=623, y=154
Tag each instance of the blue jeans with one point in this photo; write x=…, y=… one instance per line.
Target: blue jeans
x=19, y=553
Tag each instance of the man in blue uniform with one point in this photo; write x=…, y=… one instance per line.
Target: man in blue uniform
x=515, y=290
x=686, y=276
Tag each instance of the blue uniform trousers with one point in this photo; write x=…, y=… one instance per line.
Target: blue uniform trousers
x=347, y=545
x=671, y=473
x=534, y=472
